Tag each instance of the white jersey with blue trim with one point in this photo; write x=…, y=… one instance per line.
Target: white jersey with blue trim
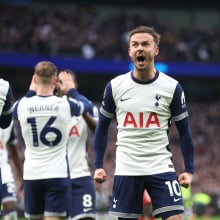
x=6, y=171
x=77, y=151
x=143, y=114
x=45, y=125
x=4, y=85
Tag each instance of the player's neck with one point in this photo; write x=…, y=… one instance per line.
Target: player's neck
x=145, y=75
x=45, y=90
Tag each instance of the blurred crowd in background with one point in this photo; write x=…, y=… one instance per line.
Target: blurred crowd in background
x=83, y=31
x=79, y=31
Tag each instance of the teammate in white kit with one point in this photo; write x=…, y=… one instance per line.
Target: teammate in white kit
x=8, y=145
x=45, y=123
x=144, y=101
x=82, y=185
x=6, y=102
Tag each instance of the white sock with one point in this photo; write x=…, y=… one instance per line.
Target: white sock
x=12, y=215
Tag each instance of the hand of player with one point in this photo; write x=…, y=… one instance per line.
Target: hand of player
x=65, y=82
x=100, y=175
x=185, y=179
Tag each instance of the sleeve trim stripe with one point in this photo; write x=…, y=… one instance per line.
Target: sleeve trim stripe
x=181, y=116
x=7, y=112
x=105, y=113
x=81, y=107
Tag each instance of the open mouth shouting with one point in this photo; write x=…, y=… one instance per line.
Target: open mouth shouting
x=141, y=59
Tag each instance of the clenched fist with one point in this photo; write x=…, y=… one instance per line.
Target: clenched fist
x=100, y=175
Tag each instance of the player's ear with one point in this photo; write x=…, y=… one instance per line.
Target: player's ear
x=156, y=51
x=55, y=78
x=129, y=52
x=34, y=78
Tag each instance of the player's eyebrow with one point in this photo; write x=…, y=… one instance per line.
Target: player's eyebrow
x=140, y=42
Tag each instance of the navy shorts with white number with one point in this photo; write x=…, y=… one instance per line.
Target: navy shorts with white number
x=83, y=198
x=9, y=192
x=46, y=197
x=163, y=189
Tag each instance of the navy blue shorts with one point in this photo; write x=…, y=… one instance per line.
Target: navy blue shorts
x=47, y=197
x=8, y=192
x=163, y=189
x=82, y=198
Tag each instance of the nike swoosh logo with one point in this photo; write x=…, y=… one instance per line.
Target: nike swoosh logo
x=122, y=100
x=87, y=209
x=176, y=200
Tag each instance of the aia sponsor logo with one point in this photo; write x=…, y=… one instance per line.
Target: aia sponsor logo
x=143, y=120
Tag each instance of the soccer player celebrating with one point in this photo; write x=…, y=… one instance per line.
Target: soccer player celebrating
x=82, y=190
x=144, y=101
x=45, y=123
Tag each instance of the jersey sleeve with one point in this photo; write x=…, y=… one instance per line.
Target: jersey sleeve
x=180, y=116
x=178, y=104
x=108, y=105
x=101, y=133
x=6, y=114
x=86, y=105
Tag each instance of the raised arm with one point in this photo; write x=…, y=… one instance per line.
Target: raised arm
x=66, y=86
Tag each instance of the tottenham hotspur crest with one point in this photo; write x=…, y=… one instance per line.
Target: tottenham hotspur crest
x=157, y=97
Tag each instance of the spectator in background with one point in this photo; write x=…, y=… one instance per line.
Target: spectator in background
x=202, y=205
x=56, y=33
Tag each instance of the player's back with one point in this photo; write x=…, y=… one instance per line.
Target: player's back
x=45, y=123
x=77, y=154
x=77, y=146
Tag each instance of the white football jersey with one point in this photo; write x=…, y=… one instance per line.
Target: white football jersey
x=143, y=117
x=45, y=125
x=77, y=152
x=6, y=171
x=4, y=86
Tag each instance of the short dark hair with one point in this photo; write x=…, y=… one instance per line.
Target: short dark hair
x=146, y=29
x=73, y=74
